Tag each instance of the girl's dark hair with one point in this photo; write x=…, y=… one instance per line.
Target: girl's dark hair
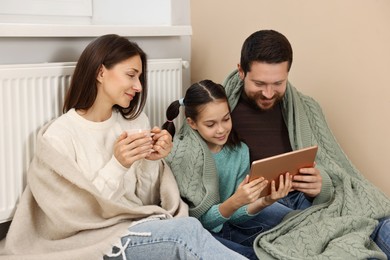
x=198, y=95
x=266, y=46
x=107, y=50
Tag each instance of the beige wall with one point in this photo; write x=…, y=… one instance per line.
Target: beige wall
x=341, y=58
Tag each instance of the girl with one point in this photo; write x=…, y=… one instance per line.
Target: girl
x=93, y=190
x=218, y=192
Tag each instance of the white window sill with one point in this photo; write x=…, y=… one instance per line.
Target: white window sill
x=54, y=30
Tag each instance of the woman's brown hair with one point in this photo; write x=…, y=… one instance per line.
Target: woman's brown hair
x=107, y=50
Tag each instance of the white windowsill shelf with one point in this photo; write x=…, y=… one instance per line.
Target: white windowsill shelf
x=56, y=30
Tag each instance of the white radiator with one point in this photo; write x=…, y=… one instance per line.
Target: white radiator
x=33, y=94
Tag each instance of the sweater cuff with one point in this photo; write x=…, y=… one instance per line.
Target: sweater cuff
x=114, y=171
x=327, y=190
x=110, y=178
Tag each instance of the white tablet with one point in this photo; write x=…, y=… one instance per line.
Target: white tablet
x=272, y=167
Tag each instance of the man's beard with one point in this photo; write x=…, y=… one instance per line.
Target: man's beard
x=276, y=99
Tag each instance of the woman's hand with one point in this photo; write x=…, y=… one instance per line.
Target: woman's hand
x=162, y=144
x=131, y=148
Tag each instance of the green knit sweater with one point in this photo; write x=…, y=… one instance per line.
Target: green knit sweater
x=343, y=215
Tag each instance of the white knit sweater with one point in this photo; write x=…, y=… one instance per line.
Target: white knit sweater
x=91, y=144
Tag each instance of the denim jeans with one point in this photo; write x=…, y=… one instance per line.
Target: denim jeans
x=178, y=238
x=240, y=237
x=381, y=235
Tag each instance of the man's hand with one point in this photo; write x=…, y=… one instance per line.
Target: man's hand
x=308, y=181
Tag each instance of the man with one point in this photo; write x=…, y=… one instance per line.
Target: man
x=341, y=208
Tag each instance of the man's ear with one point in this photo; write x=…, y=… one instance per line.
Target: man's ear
x=191, y=123
x=241, y=73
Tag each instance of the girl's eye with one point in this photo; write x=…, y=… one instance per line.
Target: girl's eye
x=227, y=119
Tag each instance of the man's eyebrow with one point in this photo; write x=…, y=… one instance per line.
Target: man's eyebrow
x=258, y=81
x=263, y=82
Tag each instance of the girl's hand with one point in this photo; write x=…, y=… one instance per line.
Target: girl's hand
x=246, y=193
x=285, y=185
x=131, y=148
x=162, y=144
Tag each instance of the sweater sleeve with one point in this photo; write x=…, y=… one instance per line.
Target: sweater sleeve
x=213, y=219
x=242, y=215
x=109, y=179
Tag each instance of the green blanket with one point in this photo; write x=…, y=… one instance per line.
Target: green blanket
x=343, y=216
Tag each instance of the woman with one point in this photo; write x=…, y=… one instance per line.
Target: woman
x=93, y=190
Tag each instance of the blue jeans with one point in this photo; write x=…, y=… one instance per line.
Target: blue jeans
x=178, y=238
x=381, y=235
x=240, y=237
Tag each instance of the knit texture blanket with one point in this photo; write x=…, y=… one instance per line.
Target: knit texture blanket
x=343, y=215
x=194, y=169
x=61, y=215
